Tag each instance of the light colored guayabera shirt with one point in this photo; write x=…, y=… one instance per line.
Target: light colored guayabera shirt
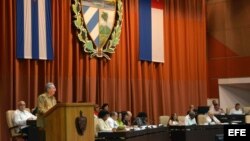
x=45, y=102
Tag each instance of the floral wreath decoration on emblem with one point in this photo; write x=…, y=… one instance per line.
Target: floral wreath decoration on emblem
x=99, y=24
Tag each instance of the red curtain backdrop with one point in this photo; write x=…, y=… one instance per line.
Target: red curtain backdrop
x=125, y=82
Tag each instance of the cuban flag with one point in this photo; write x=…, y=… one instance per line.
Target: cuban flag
x=151, y=30
x=33, y=29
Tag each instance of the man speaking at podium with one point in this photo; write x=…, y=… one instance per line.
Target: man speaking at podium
x=47, y=99
x=45, y=102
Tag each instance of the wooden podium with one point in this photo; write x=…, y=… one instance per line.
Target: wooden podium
x=59, y=122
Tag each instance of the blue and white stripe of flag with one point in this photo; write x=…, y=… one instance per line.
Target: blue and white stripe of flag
x=34, y=40
x=91, y=18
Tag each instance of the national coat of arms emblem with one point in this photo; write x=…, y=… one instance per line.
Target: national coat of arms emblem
x=81, y=124
x=99, y=25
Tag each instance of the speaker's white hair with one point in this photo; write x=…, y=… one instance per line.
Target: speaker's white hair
x=49, y=85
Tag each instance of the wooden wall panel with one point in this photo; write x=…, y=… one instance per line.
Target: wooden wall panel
x=228, y=44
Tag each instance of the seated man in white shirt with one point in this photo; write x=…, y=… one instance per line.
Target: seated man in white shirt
x=211, y=119
x=236, y=110
x=112, y=120
x=21, y=116
x=217, y=110
x=190, y=119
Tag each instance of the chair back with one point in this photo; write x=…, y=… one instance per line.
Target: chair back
x=9, y=118
x=247, y=119
x=181, y=119
x=246, y=110
x=12, y=128
x=228, y=109
x=201, y=119
x=164, y=120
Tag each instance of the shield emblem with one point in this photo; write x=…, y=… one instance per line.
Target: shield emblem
x=99, y=24
x=99, y=19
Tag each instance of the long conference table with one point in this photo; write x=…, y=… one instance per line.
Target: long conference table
x=161, y=133
x=177, y=133
x=196, y=132
x=173, y=133
x=149, y=134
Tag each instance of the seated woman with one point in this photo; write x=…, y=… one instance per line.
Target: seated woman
x=119, y=122
x=102, y=125
x=211, y=119
x=173, y=120
x=141, y=119
x=119, y=119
